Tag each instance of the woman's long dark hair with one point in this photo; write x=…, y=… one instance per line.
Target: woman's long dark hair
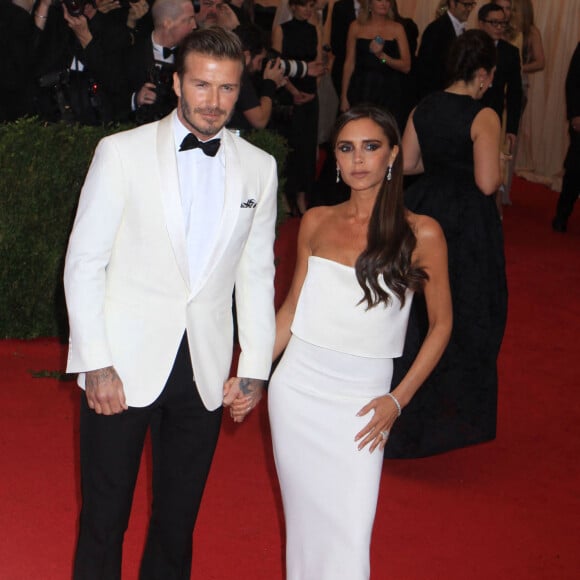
x=390, y=240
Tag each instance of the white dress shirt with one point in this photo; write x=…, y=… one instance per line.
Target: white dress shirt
x=458, y=26
x=202, y=186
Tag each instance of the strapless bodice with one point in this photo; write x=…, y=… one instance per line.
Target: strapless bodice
x=329, y=314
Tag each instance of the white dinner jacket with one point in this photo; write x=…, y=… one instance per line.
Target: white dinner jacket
x=126, y=272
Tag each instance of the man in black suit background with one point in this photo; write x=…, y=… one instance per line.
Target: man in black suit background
x=435, y=43
x=150, y=62
x=571, y=182
x=506, y=89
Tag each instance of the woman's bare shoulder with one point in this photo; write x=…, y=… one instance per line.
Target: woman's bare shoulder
x=425, y=228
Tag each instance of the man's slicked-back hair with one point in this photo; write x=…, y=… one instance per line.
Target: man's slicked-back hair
x=214, y=41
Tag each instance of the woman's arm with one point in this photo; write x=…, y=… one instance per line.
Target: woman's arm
x=431, y=254
x=348, y=67
x=485, y=133
x=277, y=38
x=412, y=158
x=285, y=314
x=536, y=50
x=403, y=63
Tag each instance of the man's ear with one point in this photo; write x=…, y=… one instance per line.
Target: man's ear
x=176, y=84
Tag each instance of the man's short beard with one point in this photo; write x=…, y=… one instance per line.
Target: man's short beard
x=209, y=132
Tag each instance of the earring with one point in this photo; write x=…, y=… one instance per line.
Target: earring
x=389, y=173
x=337, y=174
x=481, y=86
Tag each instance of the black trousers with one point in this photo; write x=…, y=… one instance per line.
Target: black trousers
x=184, y=436
x=568, y=196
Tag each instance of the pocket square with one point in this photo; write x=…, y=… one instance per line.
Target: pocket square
x=249, y=203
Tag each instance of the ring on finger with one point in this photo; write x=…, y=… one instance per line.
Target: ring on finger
x=385, y=435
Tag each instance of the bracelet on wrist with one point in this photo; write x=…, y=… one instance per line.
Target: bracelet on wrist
x=41, y=16
x=394, y=399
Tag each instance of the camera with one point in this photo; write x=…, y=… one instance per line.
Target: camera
x=290, y=67
x=77, y=7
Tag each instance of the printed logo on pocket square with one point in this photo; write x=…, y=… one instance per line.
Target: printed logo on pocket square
x=249, y=203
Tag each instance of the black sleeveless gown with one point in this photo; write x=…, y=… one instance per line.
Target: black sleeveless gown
x=300, y=42
x=457, y=405
x=375, y=83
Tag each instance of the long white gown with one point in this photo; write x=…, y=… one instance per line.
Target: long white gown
x=339, y=358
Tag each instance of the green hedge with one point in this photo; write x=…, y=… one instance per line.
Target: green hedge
x=42, y=169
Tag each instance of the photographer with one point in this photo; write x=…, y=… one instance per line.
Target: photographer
x=78, y=69
x=150, y=62
x=259, y=84
x=15, y=63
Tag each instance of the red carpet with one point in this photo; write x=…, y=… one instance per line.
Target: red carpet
x=508, y=509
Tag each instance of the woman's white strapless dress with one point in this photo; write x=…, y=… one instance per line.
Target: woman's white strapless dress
x=339, y=358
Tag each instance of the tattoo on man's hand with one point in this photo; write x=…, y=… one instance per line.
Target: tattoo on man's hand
x=246, y=386
x=250, y=386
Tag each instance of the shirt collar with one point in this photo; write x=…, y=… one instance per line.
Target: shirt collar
x=458, y=26
x=158, y=52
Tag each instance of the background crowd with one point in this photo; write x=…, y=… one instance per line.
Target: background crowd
x=91, y=68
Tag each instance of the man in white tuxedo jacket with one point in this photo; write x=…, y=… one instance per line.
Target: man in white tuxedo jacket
x=172, y=216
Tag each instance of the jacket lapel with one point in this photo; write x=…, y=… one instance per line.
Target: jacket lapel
x=170, y=194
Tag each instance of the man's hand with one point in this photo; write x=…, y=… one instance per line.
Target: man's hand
x=274, y=73
x=79, y=25
x=104, y=391
x=136, y=11
x=301, y=98
x=316, y=68
x=226, y=17
x=510, y=141
x=242, y=395
x=105, y=6
x=146, y=95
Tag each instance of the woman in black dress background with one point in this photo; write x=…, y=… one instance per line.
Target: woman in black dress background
x=299, y=40
x=377, y=57
x=455, y=142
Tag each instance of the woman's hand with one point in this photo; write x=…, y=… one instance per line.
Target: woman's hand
x=241, y=395
x=301, y=98
x=376, y=431
x=376, y=47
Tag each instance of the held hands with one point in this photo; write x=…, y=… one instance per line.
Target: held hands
x=104, y=392
x=384, y=417
x=241, y=395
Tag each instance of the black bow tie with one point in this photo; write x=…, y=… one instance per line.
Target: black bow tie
x=192, y=142
x=167, y=52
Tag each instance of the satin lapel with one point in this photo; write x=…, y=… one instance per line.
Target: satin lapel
x=232, y=201
x=170, y=193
